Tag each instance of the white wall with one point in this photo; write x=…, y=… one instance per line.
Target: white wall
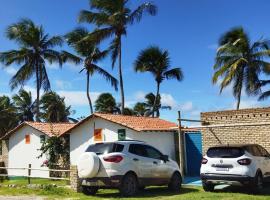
x=82, y=136
x=21, y=154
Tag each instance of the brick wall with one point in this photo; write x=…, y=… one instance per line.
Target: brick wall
x=4, y=156
x=75, y=182
x=237, y=134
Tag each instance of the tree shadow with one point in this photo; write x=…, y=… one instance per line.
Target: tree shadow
x=147, y=192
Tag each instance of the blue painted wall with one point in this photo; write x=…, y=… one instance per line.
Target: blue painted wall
x=193, y=153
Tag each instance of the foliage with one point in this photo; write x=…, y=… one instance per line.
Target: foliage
x=25, y=107
x=90, y=55
x=106, y=103
x=239, y=62
x=57, y=150
x=139, y=108
x=53, y=108
x=35, y=48
x=112, y=19
x=157, y=62
x=8, y=117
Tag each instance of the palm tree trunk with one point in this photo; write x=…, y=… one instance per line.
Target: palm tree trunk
x=120, y=76
x=88, y=94
x=156, y=98
x=238, y=100
x=38, y=90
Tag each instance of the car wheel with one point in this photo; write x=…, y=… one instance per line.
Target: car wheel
x=258, y=183
x=175, y=182
x=129, y=185
x=87, y=190
x=208, y=187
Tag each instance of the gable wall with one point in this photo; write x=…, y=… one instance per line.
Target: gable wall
x=82, y=136
x=21, y=154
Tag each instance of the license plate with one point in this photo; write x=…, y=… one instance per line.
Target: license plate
x=222, y=169
x=92, y=183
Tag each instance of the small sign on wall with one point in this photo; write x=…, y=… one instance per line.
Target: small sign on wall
x=27, y=139
x=98, y=135
x=121, y=134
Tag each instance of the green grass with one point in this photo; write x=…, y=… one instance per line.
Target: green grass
x=160, y=193
x=24, y=181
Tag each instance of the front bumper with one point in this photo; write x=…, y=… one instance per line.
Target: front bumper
x=224, y=178
x=103, y=182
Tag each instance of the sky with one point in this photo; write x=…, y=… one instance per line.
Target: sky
x=188, y=29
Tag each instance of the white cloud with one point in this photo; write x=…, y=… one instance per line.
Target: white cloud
x=60, y=84
x=78, y=98
x=187, y=106
x=10, y=70
x=168, y=100
x=139, y=95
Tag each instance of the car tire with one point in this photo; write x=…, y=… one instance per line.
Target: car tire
x=175, y=183
x=87, y=190
x=129, y=185
x=208, y=187
x=257, y=186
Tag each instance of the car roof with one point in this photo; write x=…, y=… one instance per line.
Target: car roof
x=124, y=142
x=234, y=145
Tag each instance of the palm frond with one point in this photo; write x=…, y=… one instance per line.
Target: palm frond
x=69, y=57
x=108, y=77
x=147, y=7
x=175, y=73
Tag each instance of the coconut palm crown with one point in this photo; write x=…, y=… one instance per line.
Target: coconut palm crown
x=35, y=49
x=90, y=55
x=112, y=19
x=239, y=62
x=157, y=62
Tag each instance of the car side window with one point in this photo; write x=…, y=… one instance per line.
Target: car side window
x=138, y=149
x=256, y=151
x=153, y=153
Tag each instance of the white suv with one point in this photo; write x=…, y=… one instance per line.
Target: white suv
x=246, y=164
x=126, y=165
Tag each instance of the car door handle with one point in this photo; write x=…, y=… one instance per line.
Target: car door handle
x=135, y=159
x=155, y=162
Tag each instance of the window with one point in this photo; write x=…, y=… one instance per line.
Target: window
x=121, y=134
x=104, y=148
x=153, y=153
x=145, y=151
x=42, y=139
x=98, y=135
x=225, y=152
x=138, y=149
x=264, y=153
x=27, y=139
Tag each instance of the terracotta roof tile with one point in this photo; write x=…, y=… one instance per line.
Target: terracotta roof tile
x=134, y=122
x=49, y=129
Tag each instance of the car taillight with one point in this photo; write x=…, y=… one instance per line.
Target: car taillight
x=113, y=159
x=204, y=161
x=245, y=161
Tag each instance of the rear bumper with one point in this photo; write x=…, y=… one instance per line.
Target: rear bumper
x=224, y=178
x=103, y=182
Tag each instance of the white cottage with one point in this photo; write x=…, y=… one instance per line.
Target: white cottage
x=108, y=127
x=24, y=143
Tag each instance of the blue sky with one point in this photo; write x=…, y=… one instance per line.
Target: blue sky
x=188, y=29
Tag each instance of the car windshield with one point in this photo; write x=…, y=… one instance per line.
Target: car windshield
x=104, y=148
x=225, y=152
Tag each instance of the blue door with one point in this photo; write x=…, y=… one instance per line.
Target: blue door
x=193, y=153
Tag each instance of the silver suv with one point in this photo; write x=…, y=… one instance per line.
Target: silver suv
x=128, y=166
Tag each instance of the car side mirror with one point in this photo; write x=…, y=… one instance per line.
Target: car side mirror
x=165, y=158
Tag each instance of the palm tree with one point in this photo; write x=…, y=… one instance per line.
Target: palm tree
x=150, y=103
x=106, y=103
x=90, y=55
x=35, y=48
x=140, y=108
x=157, y=62
x=54, y=109
x=112, y=19
x=24, y=105
x=265, y=94
x=239, y=62
x=8, y=117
